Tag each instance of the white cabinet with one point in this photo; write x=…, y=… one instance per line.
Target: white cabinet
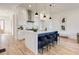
x=21, y=34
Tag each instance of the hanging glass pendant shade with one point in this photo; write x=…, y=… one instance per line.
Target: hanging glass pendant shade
x=44, y=16
x=50, y=18
x=36, y=13
x=50, y=11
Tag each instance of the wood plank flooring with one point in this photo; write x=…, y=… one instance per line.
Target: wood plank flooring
x=16, y=47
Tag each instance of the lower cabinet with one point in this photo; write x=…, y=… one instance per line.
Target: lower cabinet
x=21, y=35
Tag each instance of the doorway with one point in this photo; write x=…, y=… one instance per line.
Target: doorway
x=2, y=26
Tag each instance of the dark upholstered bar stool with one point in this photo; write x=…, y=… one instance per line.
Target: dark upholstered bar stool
x=47, y=39
x=50, y=39
x=55, y=35
x=42, y=42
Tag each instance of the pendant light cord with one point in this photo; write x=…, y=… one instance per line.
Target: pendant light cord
x=50, y=11
x=36, y=10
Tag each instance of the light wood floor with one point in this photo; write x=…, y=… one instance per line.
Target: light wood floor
x=15, y=47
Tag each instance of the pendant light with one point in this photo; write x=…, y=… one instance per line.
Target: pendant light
x=50, y=11
x=44, y=13
x=50, y=18
x=36, y=12
x=44, y=16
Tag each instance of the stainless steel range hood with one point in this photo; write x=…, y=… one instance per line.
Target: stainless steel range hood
x=30, y=16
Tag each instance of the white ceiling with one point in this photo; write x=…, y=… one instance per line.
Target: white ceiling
x=56, y=7
x=7, y=6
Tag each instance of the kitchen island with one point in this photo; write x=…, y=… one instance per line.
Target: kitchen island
x=31, y=40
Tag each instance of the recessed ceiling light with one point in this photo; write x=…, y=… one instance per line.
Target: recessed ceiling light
x=30, y=5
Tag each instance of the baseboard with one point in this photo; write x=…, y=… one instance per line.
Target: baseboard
x=64, y=36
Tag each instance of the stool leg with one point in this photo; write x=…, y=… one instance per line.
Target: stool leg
x=42, y=50
x=47, y=47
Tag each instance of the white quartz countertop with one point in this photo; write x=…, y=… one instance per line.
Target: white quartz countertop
x=38, y=32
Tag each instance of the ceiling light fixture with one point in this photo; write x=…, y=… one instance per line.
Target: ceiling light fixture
x=50, y=11
x=44, y=16
x=44, y=12
x=30, y=5
x=50, y=18
x=36, y=13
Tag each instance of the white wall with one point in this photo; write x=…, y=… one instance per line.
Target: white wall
x=72, y=22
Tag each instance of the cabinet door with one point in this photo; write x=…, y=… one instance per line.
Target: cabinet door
x=20, y=35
